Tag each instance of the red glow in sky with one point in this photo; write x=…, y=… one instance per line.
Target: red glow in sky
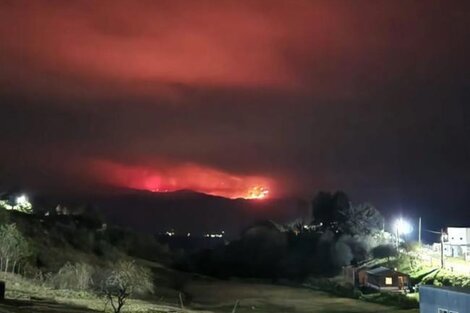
x=141, y=45
x=312, y=94
x=187, y=176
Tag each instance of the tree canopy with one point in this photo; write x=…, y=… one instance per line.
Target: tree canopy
x=335, y=212
x=14, y=247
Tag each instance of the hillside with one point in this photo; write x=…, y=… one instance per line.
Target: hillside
x=69, y=249
x=184, y=211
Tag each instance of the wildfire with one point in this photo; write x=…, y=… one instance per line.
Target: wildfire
x=167, y=178
x=258, y=193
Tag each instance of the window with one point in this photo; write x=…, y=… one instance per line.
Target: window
x=389, y=281
x=442, y=311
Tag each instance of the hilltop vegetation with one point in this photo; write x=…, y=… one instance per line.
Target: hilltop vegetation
x=341, y=234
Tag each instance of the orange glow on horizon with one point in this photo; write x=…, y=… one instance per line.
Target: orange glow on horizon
x=257, y=193
x=165, y=178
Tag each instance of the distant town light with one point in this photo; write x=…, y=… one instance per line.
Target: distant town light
x=216, y=235
x=21, y=200
x=403, y=227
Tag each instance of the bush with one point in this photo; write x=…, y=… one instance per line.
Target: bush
x=346, y=290
x=4, y=216
x=76, y=276
x=392, y=299
x=446, y=278
x=384, y=251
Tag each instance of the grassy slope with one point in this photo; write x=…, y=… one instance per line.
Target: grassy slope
x=25, y=296
x=17, y=306
x=202, y=294
x=220, y=297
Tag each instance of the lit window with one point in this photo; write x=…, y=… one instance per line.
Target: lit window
x=389, y=281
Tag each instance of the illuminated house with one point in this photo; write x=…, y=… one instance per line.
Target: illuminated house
x=457, y=242
x=383, y=279
x=379, y=278
x=434, y=299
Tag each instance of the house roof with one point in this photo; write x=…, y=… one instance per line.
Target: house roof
x=382, y=271
x=448, y=288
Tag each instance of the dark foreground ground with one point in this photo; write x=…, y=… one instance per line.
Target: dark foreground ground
x=201, y=294
x=261, y=298
x=23, y=306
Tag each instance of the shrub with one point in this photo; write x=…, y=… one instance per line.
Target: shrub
x=446, y=278
x=76, y=276
x=392, y=299
x=346, y=290
x=384, y=251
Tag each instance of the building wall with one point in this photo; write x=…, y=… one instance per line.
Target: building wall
x=362, y=277
x=431, y=299
x=349, y=274
x=458, y=235
x=458, y=242
x=453, y=250
x=380, y=281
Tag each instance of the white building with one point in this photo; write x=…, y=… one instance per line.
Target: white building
x=457, y=242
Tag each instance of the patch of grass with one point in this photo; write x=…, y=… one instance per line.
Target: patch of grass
x=21, y=292
x=397, y=300
x=392, y=299
x=220, y=296
x=444, y=277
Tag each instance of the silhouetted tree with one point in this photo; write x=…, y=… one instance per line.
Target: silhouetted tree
x=331, y=210
x=336, y=213
x=361, y=219
x=4, y=216
x=384, y=251
x=13, y=247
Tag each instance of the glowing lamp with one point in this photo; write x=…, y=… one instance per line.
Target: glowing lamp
x=21, y=200
x=403, y=227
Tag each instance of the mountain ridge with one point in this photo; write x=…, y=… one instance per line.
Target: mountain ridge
x=184, y=211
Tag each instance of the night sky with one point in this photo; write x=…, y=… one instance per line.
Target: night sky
x=237, y=98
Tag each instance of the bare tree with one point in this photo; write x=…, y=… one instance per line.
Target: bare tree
x=14, y=247
x=122, y=280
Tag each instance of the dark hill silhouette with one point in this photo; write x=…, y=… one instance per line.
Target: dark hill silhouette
x=183, y=210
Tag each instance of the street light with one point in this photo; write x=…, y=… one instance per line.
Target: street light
x=402, y=227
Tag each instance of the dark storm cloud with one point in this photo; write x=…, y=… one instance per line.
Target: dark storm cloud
x=369, y=96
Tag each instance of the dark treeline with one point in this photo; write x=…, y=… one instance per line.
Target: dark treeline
x=339, y=234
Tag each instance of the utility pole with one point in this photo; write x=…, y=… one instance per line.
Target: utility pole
x=398, y=239
x=442, y=234
x=419, y=232
x=442, y=248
